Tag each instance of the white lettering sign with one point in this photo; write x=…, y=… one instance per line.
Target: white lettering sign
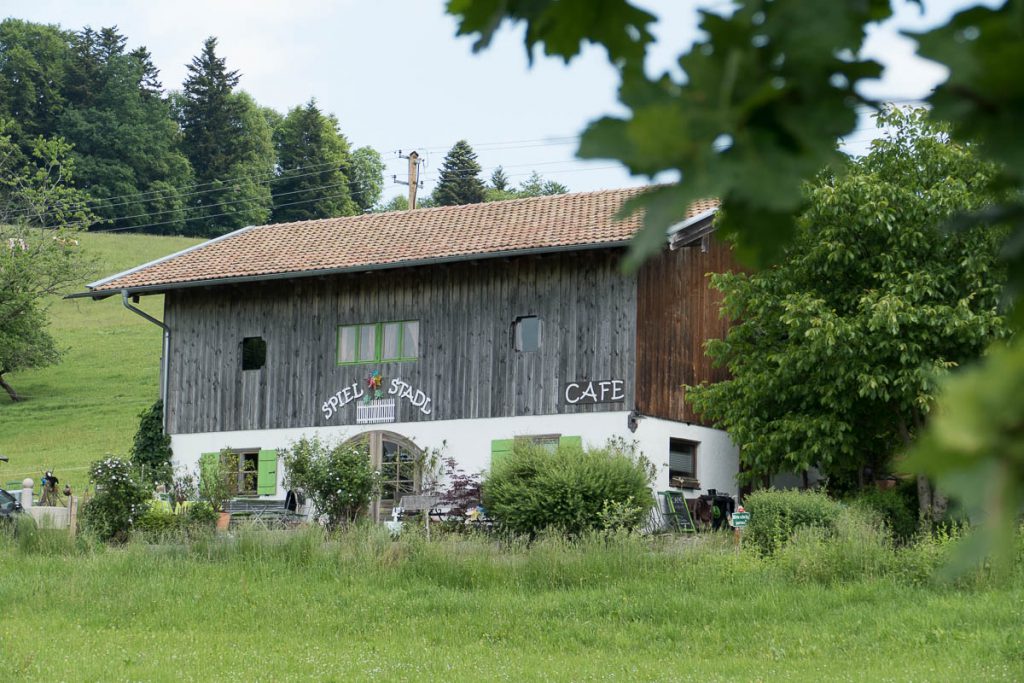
x=398, y=388
x=340, y=399
x=595, y=391
x=416, y=397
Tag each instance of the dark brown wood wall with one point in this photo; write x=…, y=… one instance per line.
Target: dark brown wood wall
x=467, y=364
x=676, y=312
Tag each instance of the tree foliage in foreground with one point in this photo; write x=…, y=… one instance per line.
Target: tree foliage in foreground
x=765, y=91
x=838, y=349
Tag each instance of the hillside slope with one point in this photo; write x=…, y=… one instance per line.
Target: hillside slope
x=88, y=405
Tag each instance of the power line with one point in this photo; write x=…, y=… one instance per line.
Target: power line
x=272, y=177
x=227, y=203
x=305, y=201
x=218, y=215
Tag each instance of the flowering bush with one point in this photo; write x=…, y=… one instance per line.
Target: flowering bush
x=338, y=480
x=119, y=501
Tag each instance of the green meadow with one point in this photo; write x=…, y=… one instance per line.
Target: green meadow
x=87, y=406
x=360, y=606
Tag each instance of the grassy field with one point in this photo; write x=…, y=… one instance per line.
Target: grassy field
x=265, y=607
x=87, y=406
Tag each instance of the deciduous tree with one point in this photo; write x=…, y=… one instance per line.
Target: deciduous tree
x=36, y=262
x=313, y=156
x=838, y=349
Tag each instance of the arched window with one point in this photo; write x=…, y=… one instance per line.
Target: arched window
x=399, y=462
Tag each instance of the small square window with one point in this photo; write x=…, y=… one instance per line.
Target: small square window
x=528, y=333
x=682, y=464
x=254, y=353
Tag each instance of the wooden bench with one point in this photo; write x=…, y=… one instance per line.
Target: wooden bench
x=421, y=504
x=263, y=510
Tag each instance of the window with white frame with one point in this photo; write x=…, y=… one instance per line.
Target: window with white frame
x=682, y=464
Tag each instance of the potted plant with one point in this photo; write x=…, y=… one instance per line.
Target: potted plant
x=218, y=482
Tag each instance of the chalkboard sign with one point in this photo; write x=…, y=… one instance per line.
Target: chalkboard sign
x=677, y=512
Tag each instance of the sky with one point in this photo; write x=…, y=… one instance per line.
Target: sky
x=398, y=79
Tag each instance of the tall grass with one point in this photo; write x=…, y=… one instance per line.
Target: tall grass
x=360, y=605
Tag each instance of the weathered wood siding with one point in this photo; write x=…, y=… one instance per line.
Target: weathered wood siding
x=467, y=365
x=676, y=312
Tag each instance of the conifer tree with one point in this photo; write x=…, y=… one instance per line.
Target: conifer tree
x=460, y=181
x=499, y=181
x=229, y=143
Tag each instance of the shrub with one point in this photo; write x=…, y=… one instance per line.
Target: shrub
x=339, y=479
x=462, y=490
x=200, y=514
x=857, y=545
x=151, y=450
x=218, y=482
x=532, y=489
x=775, y=515
x=896, y=506
x=158, y=522
x=119, y=501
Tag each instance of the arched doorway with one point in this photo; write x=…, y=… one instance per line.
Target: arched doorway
x=398, y=460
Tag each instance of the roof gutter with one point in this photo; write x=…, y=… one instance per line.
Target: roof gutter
x=291, y=275
x=165, y=350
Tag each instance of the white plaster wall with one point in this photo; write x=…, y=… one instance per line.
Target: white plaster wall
x=469, y=441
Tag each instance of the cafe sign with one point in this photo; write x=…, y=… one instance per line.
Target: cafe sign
x=584, y=391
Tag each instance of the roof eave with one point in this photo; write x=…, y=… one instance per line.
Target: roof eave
x=194, y=247
x=292, y=275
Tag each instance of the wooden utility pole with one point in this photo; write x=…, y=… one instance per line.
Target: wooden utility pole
x=414, y=176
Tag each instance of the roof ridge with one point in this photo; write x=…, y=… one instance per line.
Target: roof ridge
x=462, y=207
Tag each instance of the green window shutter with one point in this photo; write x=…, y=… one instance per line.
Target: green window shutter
x=571, y=442
x=500, y=448
x=209, y=468
x=266, y=484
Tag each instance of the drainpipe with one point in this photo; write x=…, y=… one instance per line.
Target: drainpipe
x=163, y=354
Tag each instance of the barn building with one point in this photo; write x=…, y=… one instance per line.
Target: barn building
x=463, y=327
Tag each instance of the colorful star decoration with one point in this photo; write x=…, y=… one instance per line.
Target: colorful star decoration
x=375, y=386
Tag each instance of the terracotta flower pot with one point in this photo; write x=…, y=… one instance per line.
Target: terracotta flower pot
x=223, y=521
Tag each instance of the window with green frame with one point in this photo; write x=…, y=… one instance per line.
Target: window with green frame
x=378, y=342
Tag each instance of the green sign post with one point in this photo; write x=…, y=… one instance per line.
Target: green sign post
x=740, y=519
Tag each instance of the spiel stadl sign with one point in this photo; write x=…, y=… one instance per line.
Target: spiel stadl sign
x=373, y=390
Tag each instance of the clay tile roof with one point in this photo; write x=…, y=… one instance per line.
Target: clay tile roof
x=394, y=239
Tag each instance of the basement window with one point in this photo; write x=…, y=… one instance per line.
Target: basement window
x=254, y=353
x=682, y=464
x=528, y=333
